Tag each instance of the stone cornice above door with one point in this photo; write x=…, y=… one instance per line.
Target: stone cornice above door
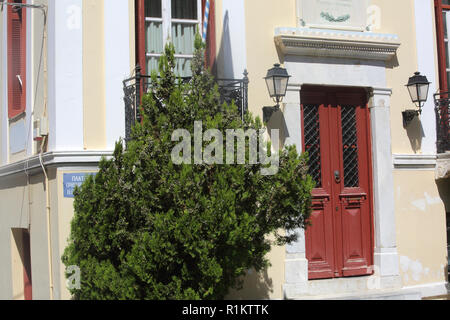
x=336, y=43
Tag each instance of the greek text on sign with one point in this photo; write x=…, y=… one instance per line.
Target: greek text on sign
x=70, y=180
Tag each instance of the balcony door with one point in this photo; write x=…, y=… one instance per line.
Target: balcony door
x=336, y=134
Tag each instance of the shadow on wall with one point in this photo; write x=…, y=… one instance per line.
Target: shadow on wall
x=225, y=57
x=415, y=134
x=257, y=286
x=277, y=121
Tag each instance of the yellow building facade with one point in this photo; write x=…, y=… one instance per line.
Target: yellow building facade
x=79, y=52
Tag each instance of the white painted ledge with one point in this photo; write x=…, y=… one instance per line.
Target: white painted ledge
x=414, y=162
x=60, y=158
x=337, y=43
x=431, y=289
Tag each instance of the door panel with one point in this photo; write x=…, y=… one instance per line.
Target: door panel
x=320, y=248
x=336, y=135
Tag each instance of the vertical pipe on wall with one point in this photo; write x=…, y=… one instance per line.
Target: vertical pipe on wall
x=48, y=216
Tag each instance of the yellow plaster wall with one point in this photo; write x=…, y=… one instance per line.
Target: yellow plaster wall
x=22, y=204
x=94, y=108
x=262, y=17
x=404, y=141
x=421, y=228
x=267, y=284
x=66, y=212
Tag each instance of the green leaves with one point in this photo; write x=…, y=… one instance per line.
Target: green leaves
x=145, y=228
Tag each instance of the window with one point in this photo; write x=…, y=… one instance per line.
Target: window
x=442, y=9
x=16, y=60
x=177, y=20
x=171, y=20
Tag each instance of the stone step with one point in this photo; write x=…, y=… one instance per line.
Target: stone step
x=374, y=295
x=354, y=285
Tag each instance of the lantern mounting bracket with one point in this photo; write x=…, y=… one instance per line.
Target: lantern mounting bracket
x=268, y=112
x=408, y=116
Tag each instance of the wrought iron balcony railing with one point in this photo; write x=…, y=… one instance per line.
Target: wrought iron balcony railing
x=230, y=90
x=442, y=107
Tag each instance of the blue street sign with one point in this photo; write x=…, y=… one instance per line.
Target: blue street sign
x=70, y=180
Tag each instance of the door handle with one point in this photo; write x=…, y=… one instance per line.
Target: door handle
x=20, y=80
x=337, y=177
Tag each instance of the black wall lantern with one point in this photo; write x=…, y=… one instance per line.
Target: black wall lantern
x=418, y=87
x=277, y=80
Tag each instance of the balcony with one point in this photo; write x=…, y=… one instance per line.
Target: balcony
x=230, y=90
x=442, y=107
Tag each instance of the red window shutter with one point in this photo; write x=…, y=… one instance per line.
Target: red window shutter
x=16, y=60
x=211, y=34
x=140, y=34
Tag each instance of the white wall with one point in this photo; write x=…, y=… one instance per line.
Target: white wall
x=427, y=66
x=232, y=49
x=65, y=75
x=117, y=67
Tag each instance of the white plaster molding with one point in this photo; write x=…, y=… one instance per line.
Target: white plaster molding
x=387, y=261
x=414, y=162
x=56, y=158
x=443, y=166
x=380, y=97
x=382, y=92
x=383, y=181
x=337, y=43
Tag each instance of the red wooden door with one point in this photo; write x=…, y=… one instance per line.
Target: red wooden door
x=336, y=134
x=28, y=287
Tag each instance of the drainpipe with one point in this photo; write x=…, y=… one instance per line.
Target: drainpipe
x=48, y=215
x=44, y=145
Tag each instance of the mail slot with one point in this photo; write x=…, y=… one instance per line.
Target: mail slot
x=353, y=199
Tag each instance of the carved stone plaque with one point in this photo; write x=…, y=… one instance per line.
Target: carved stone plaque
x=335, y=14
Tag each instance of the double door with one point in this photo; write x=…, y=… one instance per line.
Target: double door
x=336, y=134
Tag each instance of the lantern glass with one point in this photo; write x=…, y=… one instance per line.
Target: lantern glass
x=413, y=93
x=418, y=87
x=277, y=80
x=271, y=86
x=423, y=92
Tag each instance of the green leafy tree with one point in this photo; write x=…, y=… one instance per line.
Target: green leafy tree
x=146, y=228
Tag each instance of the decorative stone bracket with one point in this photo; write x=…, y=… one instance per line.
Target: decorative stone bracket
x=443, y=166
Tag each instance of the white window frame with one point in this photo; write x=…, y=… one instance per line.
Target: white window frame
x=166, y=19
